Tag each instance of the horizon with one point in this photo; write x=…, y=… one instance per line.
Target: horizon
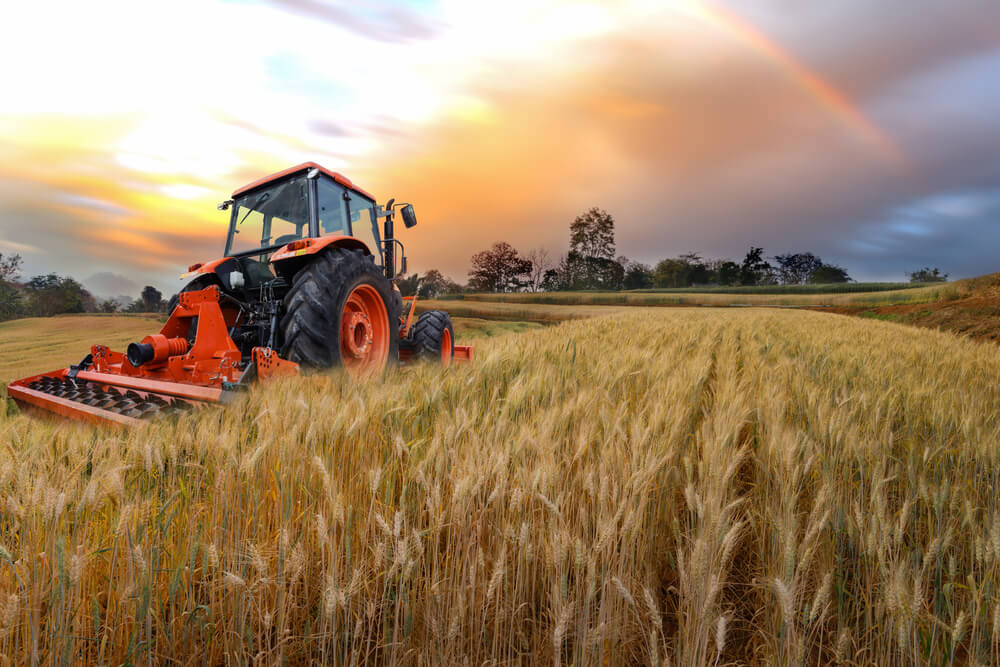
x=867, y=135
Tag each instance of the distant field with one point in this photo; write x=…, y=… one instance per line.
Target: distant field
x=38, y=344
x=827, y=288
x=764, y=296
x=517, y=312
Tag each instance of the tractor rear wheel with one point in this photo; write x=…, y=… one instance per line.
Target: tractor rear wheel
x=340, y=311
x=433, y=337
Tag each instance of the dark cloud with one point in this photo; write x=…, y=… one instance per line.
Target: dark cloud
x=957, y=232
x=379, y=21
x=860, y=45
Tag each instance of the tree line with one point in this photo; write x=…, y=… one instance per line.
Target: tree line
x=52, y=294
x=589, y=264
x=592, y=263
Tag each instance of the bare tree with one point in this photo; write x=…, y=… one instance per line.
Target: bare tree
x=541, y=262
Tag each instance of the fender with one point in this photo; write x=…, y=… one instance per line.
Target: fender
x=289, y=259
x=202, y=268
x=299, y=248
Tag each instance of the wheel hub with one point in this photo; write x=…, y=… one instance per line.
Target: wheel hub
x=356, y=334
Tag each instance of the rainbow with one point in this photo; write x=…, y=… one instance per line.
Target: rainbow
x=822, y=91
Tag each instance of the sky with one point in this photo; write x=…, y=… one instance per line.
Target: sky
x=864, y=131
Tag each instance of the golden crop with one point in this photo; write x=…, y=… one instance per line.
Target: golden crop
x=675, y=486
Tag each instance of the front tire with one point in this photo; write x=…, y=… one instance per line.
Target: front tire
x=340, y=312
x=433, y=337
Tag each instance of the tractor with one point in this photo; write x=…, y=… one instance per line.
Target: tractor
x=306, y=283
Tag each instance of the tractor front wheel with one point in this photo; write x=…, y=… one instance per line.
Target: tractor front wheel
x=340, y=311
x=433, y=337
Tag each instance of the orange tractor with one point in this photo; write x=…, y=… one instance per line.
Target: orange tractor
x=306, y=282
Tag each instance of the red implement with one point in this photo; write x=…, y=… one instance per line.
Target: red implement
x=164, y=373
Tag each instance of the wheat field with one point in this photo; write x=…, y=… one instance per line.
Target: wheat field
x=681, y=486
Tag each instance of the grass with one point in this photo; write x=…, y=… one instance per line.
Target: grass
x=757, y=296
x=689, y=486
x=475, y=328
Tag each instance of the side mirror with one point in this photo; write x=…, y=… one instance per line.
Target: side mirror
x=409, y=217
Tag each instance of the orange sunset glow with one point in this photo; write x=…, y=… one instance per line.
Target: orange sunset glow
x=866, y=132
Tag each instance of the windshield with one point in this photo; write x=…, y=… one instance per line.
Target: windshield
x=270, y=217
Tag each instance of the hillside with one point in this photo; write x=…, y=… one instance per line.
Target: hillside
x=968, y=307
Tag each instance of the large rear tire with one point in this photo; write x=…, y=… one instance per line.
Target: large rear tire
x=340, y=312
x=433, y=337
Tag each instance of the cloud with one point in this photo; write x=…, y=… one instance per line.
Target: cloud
x=503, y=122
x=701, y=149
x=18, y=248
x=385, y=22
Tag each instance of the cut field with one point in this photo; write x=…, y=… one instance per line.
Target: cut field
x=698, y=486
x=40, y=344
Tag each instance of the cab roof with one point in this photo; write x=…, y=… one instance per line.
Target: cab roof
x=340, y=178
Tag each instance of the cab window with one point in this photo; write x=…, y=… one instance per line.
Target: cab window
x=364, y=224
x=332, y=208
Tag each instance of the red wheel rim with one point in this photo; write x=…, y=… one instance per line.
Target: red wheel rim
x=364, y=332
x=446, y=349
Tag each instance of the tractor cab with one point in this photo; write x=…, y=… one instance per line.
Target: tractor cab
x=312, y=206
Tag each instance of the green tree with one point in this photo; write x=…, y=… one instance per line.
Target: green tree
x=408, y=285
x=151, y=300
x=434, y=284
x=591, y=260
x=928, y=275
x=51, y=294
x=728, y=273
x=10, y=295
x=592, y=234
x=638, y=276
x=670, y=272
x=829, y=273
x=755, y=270
x=552, y=280
x=697, y=270
x=797, y=268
